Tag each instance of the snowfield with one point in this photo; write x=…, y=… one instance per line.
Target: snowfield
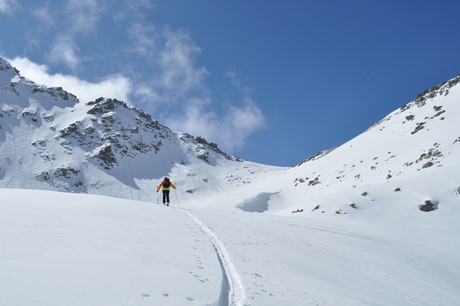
x=75, y=249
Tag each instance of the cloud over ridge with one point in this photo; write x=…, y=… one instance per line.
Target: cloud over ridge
x=152, y=67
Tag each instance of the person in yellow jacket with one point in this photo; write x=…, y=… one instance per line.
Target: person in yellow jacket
x=166, y=184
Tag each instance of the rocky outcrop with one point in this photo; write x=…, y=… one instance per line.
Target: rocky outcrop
x=440, y=89
x=428, y=206
x=203, y=148
x=66, y=178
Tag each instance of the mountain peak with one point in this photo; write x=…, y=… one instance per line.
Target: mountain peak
x=6, y=66
x=440, y=89
x=50, y=140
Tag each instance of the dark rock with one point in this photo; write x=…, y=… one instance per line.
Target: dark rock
x=439, y=113
x=71, y=128
x=427, y=165
x=314, y=182
x=428, y=206
x=107, y=157
x=420, y=126
x=203, y=155
x=66, y=172
x=440, y=89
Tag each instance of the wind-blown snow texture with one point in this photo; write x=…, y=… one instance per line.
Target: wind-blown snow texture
x=343, y=227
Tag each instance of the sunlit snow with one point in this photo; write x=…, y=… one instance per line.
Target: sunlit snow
x=342, y=228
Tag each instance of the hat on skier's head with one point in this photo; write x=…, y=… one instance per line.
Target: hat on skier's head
x=166, y=178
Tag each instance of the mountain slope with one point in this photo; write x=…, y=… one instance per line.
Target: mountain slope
x=50, y=140
x=341, y=228
x=416, y=146
x=416, y=141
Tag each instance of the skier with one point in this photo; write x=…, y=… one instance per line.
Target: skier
x=166, y=184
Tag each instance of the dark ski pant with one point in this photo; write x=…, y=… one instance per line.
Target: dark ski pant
x=165, y=196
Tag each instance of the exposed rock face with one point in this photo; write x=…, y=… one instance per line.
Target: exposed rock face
x=440, y=89
x=113, y=130
x=67, y=178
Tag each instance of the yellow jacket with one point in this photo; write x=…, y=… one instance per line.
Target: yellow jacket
x=166, y=188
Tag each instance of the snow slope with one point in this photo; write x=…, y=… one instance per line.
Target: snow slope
x=73, y=249
x=67, y=249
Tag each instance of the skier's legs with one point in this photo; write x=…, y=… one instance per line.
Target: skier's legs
x=167, y=196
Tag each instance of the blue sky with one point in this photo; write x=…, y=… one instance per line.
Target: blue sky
x=269, y=81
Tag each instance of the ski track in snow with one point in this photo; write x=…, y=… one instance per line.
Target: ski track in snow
x=232, y=292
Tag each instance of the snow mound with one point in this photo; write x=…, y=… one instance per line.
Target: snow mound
x=257, y=204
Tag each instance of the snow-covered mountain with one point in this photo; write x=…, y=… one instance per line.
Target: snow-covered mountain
x=50, y=140
x=371, y=222
x=416, y=146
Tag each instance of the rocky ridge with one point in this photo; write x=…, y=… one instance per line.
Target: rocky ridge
x=64, y=143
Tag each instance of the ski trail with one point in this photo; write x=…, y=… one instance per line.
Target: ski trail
x=232, y=293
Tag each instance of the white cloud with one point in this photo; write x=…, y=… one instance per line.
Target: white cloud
x=8, y=6
x=81, y=18
x=140, y=4
x=178, y=75
x=64, y=51
x=177, y=63
x=84, y=15
x=232, y=75
x=178, y=86
x=173, y=76
x=112, y=86
x=143, y=40
x=230, y=130
x=243, y=121
x=235, y=81
x=169, y=83
x=146, y=93
x=44, y=15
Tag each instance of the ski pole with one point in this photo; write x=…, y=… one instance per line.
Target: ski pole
x=177, y=199
x=157, y=199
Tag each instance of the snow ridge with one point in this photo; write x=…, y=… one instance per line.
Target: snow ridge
x=232, y=286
